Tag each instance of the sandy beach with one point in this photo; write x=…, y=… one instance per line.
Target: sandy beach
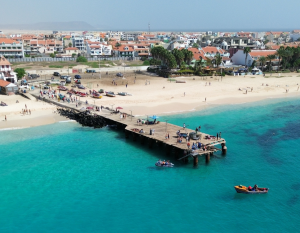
x=157, y=96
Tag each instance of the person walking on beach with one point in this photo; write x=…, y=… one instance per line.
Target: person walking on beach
x=5, y=118
x=183, y=125
x=196, y=130
x=183, y=93
x=168, y=136
x=25, y=106
x=199, y=128
x=217, y=136
x=29, y=112
x=205, y=99
x=220, y=135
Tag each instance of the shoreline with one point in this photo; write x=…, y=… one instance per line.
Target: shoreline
x=161, y=98
x=46, y=117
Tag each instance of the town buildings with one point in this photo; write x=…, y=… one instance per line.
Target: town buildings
x=6, y=72
x=11, y=48
x=239, y=58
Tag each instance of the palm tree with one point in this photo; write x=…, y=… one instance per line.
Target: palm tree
x=280, y=53
x=270, y=58
x=218, y=59
x=179, y=56
x=262, y=61
x=198, y=65
x=189, y=56
x=247, y=50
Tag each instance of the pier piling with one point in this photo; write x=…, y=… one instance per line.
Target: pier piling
x=207, y=157
x=195, y=160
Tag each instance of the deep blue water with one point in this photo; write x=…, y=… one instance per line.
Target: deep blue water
x=66, y=178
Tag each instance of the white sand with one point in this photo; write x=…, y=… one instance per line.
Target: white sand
x=153, y=99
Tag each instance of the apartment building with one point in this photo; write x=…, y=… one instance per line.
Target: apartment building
x=6, y=72
x=11, y=48
x=96, y=49
x=78, y=42
x=46, y=46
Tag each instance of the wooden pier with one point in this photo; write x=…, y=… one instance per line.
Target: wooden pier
x=179, y=151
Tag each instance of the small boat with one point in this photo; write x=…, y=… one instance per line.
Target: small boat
x=249, y=190
x=110, y=94
x=160, y=163
x=101, y=91
x=81, y=94
x=122, y=93
x=62, y=88
x=97, y=96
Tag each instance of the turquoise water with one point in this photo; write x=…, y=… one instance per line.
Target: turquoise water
x=66, y=178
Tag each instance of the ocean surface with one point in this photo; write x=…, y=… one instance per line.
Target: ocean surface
x=66, y=178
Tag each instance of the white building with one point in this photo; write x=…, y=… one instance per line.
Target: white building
x=11, y=48
x=6, y=72
x=78, y=42
x=95, y=49
x=239, y=57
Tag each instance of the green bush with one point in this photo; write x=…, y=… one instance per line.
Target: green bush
x=20, y=72
x=146, y=63
x=81, y=59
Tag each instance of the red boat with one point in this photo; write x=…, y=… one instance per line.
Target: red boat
x=62, y=88
x=81, y=94
x=250, y=190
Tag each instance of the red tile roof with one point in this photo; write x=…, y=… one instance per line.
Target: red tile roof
x=8, y=41
x=4, y=61
x=260, y=53
x=4, y=83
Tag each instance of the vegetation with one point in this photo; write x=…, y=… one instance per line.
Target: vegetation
x=73, y=55
x=247, y=50
x=262, y=61
x=52, y=55
x=56, y=66
x=81, y=59
x=146, y=63
x=118, y=45
x=270, y=58
x=70, y=44
x=20, y=72
x=179, y=56
x=167, y=58
x=195, y=45
x=218, y=59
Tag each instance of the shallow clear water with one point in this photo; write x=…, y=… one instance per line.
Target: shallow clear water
x=66, y=178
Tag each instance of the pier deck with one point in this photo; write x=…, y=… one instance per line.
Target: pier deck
x=160, y=131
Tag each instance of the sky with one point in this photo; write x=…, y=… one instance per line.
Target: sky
x=194, y=15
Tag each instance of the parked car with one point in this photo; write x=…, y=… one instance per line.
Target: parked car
x=46, y=87
x=63, y=83
x=33, y=76
x=80, y=86
x=68, y=79
x=90, y=71
x=56, y=74
x=77, y=76
x=63, y=77
x=119, y=74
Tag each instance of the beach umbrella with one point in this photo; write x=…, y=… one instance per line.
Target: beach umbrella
x=119, y=108
x=154, y=117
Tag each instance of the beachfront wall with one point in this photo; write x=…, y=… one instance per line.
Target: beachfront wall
x=49, y=59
